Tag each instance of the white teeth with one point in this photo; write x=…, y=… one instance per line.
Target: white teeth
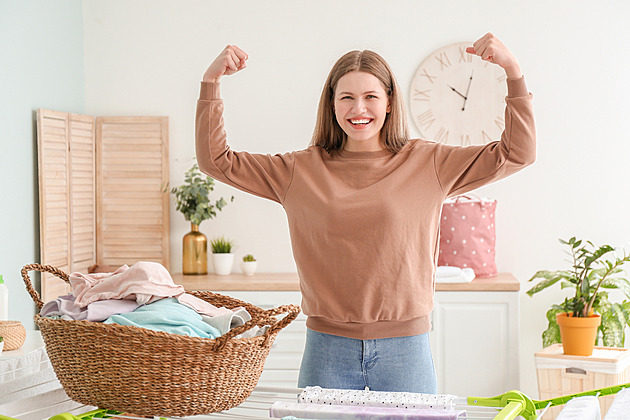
x=364, y=121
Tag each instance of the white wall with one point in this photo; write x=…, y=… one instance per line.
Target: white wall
x=147, y=57
x=41, y=66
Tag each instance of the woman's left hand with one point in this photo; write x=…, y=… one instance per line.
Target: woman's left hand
x=489, y=48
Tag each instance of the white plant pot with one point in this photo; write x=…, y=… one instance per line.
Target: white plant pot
x=222, y=263
x=249, y=267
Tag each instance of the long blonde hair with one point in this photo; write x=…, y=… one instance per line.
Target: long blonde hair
x=329, y=135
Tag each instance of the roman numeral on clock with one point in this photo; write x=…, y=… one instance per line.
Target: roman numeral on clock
x=421, y=95
x=500, y=122
x=464, y=57
x=442, y=58
x=442, y=135
x=426, y=119
x=424, y=73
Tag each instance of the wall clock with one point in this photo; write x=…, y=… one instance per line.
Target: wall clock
x=457, y=98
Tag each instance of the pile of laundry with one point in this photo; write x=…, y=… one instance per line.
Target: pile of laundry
x=144, y=295
x=321, y=403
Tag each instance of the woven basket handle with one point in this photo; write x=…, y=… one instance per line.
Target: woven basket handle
x=44, y=268
x=266, y=318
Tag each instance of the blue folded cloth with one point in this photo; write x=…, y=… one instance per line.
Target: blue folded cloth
x=167, y=315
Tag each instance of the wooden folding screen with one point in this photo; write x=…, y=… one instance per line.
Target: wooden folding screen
x=101, y=192
x=132, y=171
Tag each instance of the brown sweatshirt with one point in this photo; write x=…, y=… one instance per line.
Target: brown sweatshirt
x=364, y=226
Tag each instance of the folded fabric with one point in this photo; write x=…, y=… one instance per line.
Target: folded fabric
x=64, y=307
x=448, y=274
x=226, y=321
x=318, y=395
x=202, y=307
x=144, y=282
x=239, y=317
x=167, y=315
x=581, y=408
x=342, y=412
x=620, y=407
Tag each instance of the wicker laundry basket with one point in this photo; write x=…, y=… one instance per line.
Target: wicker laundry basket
x=152, y=373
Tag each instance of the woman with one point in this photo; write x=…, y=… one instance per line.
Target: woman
x=363, y=204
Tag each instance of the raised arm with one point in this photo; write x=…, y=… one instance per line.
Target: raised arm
x=263, y=175
x=462, y=169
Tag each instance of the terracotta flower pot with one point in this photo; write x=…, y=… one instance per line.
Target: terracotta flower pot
x=578, y=334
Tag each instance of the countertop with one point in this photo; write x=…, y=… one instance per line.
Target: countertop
x=502, y=282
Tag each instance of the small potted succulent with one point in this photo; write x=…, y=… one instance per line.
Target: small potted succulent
x=222, y=256
x=593, y=271
x=248, y=265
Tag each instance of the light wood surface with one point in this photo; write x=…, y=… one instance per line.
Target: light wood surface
x=502, y=282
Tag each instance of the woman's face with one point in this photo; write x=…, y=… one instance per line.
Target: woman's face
x=361, y=105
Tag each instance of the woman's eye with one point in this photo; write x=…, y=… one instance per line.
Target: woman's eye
x=346, y=97
x=371, y=97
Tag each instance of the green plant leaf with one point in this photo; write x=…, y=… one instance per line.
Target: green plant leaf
x=548, y=278
x=552, y=334
x=613, y=323
x=617, y=283
x=192, y=197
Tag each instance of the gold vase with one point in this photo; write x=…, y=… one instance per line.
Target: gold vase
x=195, y=257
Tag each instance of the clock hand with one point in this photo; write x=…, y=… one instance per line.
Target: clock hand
x=467, y=90
x=455, y=90
x=469, y=82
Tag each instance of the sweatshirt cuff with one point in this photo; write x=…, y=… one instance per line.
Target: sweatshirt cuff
x=517, y=87
x=209, y=91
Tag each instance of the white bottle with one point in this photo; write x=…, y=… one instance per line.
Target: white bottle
x=4, y=300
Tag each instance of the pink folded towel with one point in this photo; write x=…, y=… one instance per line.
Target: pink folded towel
x=140, y=282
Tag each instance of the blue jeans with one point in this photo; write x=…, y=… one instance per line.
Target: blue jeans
x=399, y=364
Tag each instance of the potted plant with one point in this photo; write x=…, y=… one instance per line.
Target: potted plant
x=248, y=265
x=222, y=256
x=1, y=344
x=594, y=270
x=194, y=203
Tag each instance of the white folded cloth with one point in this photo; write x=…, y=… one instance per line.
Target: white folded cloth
x=448, y=274
x=620, y=408
x=318, y=395
x=581, y=408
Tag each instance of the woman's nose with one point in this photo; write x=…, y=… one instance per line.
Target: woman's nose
x=359, y=106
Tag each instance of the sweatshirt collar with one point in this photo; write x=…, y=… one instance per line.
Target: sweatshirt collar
x=345, y=154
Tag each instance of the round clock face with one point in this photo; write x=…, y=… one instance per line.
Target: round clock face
x=457, y=98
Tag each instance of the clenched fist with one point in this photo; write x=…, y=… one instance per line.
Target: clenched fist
x=489, y=48
x=231, y=60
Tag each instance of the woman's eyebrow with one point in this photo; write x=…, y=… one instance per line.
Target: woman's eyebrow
x=351, y=93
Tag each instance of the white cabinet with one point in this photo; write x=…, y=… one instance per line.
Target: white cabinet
x=283, y=363
x=474, y=341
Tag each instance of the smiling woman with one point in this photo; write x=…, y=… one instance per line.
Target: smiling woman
x=363, y=204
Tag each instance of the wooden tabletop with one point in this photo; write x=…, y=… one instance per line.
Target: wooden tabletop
x=502, y=282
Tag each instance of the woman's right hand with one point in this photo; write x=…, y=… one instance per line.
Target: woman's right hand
x=231, y=60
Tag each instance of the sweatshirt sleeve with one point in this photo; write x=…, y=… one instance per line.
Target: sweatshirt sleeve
x=263, y=175
x=463, y=168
